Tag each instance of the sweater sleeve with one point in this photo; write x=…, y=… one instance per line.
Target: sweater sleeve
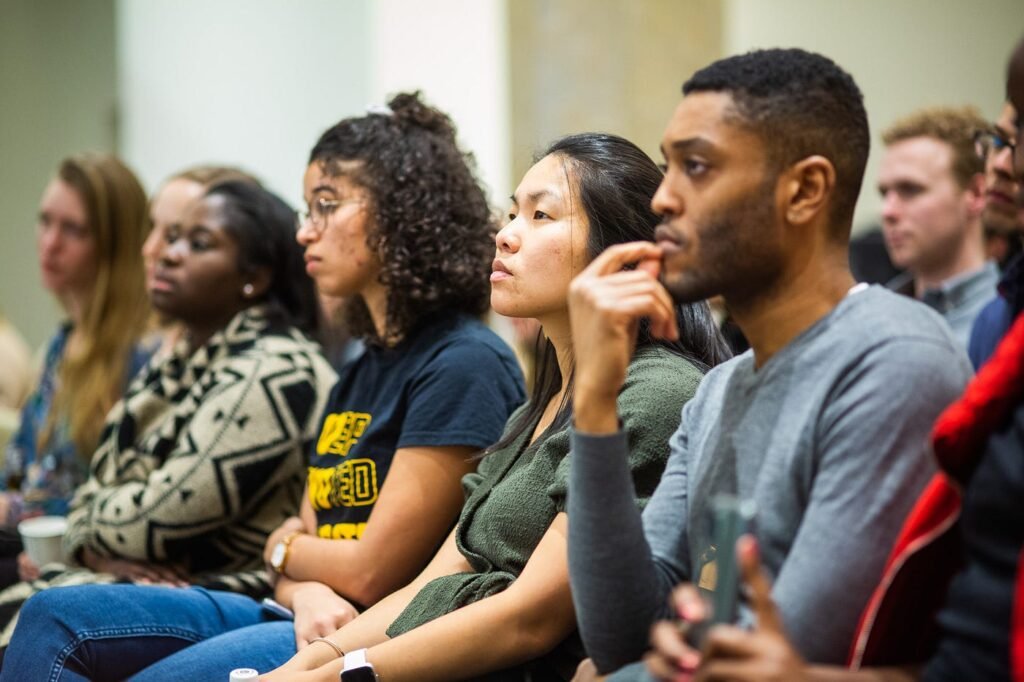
x=240, y=442
x=622, y=562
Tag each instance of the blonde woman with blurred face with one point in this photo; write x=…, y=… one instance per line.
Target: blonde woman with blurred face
x=92, y=222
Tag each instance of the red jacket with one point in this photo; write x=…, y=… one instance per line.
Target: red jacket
x=898, y=625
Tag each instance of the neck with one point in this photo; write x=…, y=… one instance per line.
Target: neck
x=970, y=257
x=376, y=298
x=74, y=305
x=775, y=317
x=557, y=331
x=198, y=333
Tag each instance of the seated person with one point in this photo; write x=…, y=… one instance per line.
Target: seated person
x=434, y=387
x=765, y=156
x=496, y=595
x=494, y=603
x=202, y=457
x=92, y=221
x=969, y=518
x=979, y=442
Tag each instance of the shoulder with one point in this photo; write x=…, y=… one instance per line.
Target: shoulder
x=464, y=337
x=995, y=312
x=462, y=347
x=656, y=370
x=282, y=349
x=877, y=315
x=658, y=384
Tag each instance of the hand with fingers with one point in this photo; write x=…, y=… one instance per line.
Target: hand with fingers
x=319, y=612
x=586, y=671
x=138, y=572
x=673, y=656
x=27, y=569
x=606, y=303
x=763, y=654
x=729, y=652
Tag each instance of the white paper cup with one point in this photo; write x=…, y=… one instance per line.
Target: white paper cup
x=42, y=537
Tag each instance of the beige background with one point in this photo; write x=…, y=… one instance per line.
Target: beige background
x=251, y=82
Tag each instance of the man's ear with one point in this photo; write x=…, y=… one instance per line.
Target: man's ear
x=256, y=284
x=809, y=187
x=974, y=194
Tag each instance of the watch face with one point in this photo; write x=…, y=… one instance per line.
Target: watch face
x=277, y=556
x=362, y=674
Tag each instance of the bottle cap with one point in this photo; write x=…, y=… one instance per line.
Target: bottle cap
x=243, y=675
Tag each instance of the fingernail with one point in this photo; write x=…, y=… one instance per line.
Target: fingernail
x=689, y=661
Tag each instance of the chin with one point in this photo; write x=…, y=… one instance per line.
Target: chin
x=688, y=288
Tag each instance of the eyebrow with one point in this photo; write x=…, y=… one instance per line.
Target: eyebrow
x=193, y=229
x=324, y=188
x=690, y=143
x=534, y=197
x=1004, y=132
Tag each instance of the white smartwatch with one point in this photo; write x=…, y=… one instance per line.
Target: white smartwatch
x=357, y=668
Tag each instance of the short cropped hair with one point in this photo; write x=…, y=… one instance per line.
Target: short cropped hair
x=800, y=104
x=956, y=126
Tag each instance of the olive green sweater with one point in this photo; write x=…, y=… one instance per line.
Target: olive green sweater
x=518, y=490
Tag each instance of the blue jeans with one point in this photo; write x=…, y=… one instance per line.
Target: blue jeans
x=114, y=632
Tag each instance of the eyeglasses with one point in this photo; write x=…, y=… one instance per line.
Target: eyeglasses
x=992, y=141
x=320, y=211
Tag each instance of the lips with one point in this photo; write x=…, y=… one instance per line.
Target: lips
x=499, y=272
x=994, y=196
x=312, y=264
x=161, y=281
x=667, y=238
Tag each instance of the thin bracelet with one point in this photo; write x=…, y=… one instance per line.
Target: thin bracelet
x=337, y=649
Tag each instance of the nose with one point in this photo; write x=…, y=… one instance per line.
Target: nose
x=666, y=202
x=49, y=238
x=172, y=252
x=1002, y=162
x=305, y=233
x=507, y=240
x=890, y=208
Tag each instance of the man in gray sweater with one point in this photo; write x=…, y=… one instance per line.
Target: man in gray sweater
x=823, y=424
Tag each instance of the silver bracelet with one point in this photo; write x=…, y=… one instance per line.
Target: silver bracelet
x=337, y=649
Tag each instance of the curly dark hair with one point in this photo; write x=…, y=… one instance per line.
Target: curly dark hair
x=799, y=103
x=431, y=226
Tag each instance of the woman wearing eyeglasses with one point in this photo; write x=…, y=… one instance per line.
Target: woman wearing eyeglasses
x=398, y=226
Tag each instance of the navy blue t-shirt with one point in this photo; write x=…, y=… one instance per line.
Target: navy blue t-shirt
x=450, y=382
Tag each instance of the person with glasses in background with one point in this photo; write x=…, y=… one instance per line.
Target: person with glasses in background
x=1004, y=214
x=1002, y=219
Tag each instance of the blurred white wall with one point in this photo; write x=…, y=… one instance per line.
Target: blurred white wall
x=57, y=64
x=904, y=54
x=251, y=83
x=456, y=52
